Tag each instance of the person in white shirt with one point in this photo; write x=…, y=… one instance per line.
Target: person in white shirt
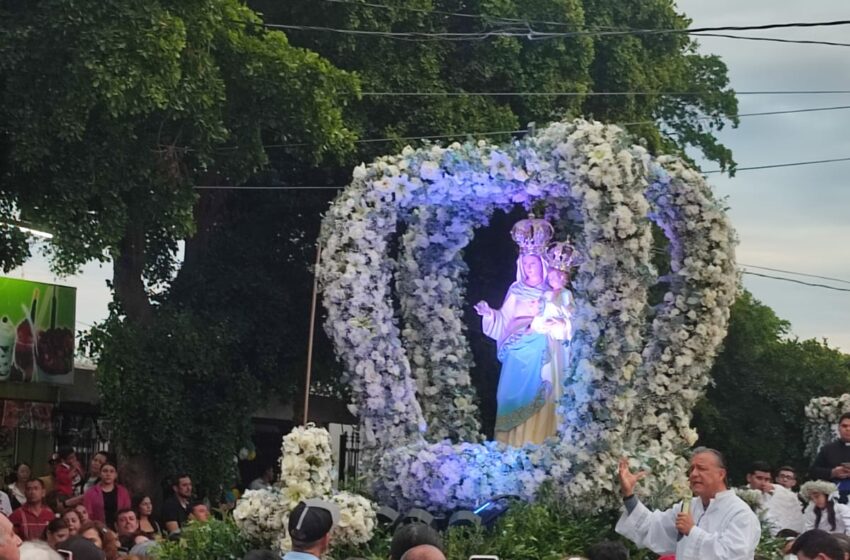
x=263, y=481
x=823, y=511
x=5, y=504
x=717, y=525
x=780, y=506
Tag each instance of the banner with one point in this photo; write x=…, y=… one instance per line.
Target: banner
x=27, y=415
x=36, y=331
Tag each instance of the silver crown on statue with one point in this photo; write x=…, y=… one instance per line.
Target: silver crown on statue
x=532, y=235
x=562, y=256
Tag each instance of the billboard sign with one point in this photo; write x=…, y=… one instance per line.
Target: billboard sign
x=36, y=331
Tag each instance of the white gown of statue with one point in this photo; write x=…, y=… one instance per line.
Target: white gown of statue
x=533, y=355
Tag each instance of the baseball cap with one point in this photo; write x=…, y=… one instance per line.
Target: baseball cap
x=82, y=549
x=312, y=519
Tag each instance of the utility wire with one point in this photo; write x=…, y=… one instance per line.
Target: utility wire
x=772, y=39
x=338, y=187
x=824, y=286
x=588, y=93
x=831, y=279
x=267, y=187
x=524, y=130
x=492, y=19
x=778, y=165
x=532, y=34
x=518, y=131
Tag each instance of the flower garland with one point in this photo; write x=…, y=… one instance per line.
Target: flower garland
x=306, y=467
x=439, y=356
x=687, y=327
x=588, y=174
x=306, y=462
x=444, y=476
x=822, y=414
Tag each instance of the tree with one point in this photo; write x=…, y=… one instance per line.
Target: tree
x=112, y=112
x=578, y=63
x=511, y=64
x=761, y=381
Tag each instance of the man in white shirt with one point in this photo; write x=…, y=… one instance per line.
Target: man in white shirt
x=781, y=506
x=717, y=525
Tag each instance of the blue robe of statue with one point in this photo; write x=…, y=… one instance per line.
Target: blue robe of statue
x=523, y=352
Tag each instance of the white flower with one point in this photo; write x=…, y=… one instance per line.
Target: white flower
x=610, y=191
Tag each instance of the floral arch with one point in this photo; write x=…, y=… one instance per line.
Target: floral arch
x=635, y=372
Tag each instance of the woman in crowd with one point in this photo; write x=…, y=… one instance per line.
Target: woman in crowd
x=82, y=513
x=17, y=489
x=56, y=532
x=105, y=499
x=143, y=506
x=823, y=512
x=72, y=520
x=103, y=538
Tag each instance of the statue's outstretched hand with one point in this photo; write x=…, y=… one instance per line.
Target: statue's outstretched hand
x=628, y=479
x=483, y=309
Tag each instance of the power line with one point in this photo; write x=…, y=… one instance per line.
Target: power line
x=778, y=165
x=831, y=279
x=337, y=187
x=267, y=187
x=490, y=19
x=824, y=286
x=759, y=114
x=772, y=39
x=483, y=17
x=587, y=93
x=532, y=34
x=401, y=138
x=524, y=130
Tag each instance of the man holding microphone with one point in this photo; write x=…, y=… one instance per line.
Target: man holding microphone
x=714, y=525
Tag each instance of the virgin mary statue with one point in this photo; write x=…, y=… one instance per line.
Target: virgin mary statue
x=522, y=414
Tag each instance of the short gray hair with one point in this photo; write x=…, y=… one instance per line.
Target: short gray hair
x=38, y=550
x=721, y=461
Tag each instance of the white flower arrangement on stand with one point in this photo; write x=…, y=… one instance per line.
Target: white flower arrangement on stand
x=306, y=472
x=409, y=375
x=822, y=414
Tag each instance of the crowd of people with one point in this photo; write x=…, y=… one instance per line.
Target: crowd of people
x=90, y=515
x=71, y=505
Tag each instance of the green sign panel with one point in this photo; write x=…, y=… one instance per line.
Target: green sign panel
x=36, y=331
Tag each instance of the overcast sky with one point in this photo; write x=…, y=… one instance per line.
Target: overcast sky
x=794, y=218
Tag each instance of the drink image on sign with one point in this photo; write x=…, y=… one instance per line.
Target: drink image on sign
x=7, y=347
x=55, y=348
x=24, y=356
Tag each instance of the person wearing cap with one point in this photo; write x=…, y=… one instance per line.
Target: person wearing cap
x=823, y=512
x=310, y=525
x=80, y=548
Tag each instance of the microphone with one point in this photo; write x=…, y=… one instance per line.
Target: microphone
x=686, y=508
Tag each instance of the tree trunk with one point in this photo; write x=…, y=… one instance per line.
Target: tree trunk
x=127, y=274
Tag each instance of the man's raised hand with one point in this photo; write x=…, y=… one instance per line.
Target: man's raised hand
x=628, y=479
